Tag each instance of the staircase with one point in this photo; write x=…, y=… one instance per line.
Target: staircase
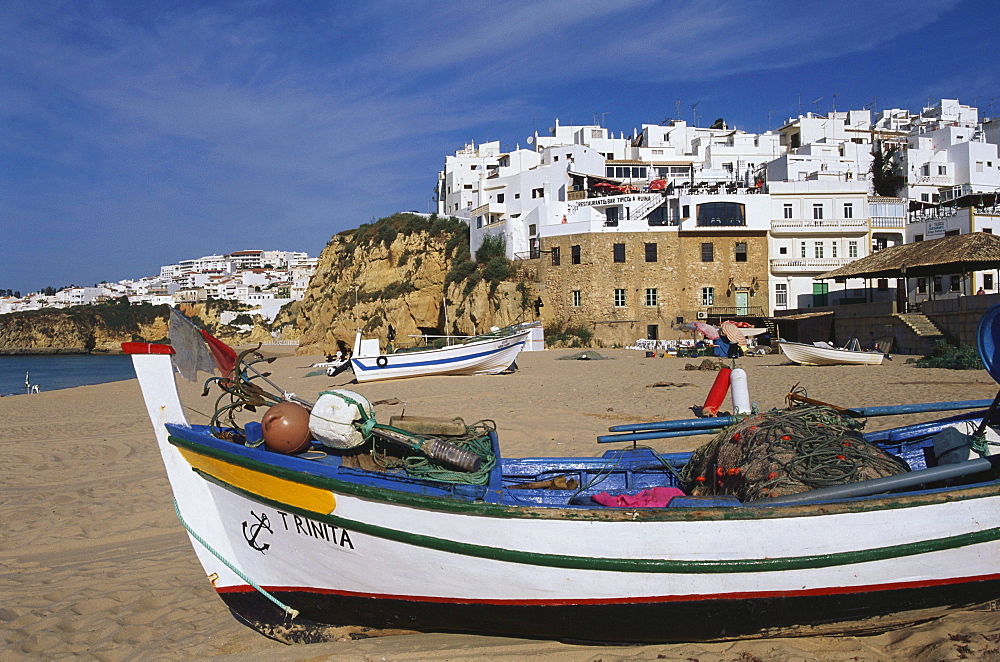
x=921, y=325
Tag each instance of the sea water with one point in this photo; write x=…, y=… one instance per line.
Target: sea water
x=58, y=371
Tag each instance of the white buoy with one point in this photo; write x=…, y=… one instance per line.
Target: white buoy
x=741, y=392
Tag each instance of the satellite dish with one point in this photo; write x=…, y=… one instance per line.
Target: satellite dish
x=531, y=140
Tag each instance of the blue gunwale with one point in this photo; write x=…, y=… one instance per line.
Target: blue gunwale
x=486, y=500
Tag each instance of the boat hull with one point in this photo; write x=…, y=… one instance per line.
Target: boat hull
x=484, y=357
x=669, y=621
x=804, y=354
x=366, y=557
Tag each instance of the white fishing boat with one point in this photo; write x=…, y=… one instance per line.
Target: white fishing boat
x=531, y=547
x=486, y=354
x=822, y=353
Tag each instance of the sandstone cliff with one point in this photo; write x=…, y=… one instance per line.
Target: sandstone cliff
x=82, y=329
x=400, y=271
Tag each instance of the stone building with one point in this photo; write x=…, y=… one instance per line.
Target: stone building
x=629, y=285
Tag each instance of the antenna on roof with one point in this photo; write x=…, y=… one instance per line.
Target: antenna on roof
x=816, y=103
x=694, y=112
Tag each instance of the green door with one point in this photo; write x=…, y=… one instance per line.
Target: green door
x=742, y=303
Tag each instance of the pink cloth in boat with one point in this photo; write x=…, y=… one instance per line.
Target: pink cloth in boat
x=651, y=498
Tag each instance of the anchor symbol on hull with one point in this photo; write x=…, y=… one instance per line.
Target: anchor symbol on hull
x=254, y=531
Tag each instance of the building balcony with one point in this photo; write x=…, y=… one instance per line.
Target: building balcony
x=807, y=265
x=888, y=222
x=858, y=226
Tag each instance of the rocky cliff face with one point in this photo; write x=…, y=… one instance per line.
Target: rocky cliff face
x=82, y=329
x=394, y=272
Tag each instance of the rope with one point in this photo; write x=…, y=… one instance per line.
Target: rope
x=476, y=440
x=291, y=613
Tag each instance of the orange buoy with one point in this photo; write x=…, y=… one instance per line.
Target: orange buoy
x=286, y=428
x=718, y=393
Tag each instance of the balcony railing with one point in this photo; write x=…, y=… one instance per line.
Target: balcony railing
x=808, y=264
x=821, y=224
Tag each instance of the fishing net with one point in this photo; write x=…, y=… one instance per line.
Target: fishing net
x=786, y=452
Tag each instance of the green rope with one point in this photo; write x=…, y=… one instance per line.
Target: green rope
x=476, y=440
x=291, y=613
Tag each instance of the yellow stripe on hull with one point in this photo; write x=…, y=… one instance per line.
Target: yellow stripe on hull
x=289, y=492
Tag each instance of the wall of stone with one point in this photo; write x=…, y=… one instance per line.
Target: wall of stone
x=678, y=275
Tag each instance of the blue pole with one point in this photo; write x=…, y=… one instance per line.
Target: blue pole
x=724, y=421
x=657, y=434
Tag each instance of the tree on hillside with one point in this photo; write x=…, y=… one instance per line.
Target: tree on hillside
x=887, y=178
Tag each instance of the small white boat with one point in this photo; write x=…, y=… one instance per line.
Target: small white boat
x=821, y=353
x=487, y=354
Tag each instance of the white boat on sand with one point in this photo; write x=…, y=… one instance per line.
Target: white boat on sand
x=486, y=354
x=821, y=353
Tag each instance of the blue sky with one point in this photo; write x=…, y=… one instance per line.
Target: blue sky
x=138, y=134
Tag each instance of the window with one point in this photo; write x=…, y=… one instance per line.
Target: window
x=574, y=298
x=802, y=253
x=852, y=249
x=650, y=252
x=708, y=296
x=817, y=212
x=574, y=254
x=955, y=283
x=925, y=170
x=833, y=249
x=987, y=230
x=619, y=297
x=922, y=286
x=979, y=166
x=951, y=233
x=538, y=193
x=741, y=251
x=500, y=198
x=721, y=214
x=555, y=256
x=848, y=210
x=652, y=332
x=783, y=250
x=938, y=288
x=532, y=230
x=781, y=295
x=918, y=237
x=612, y=215
x=925, y=197
x=942, y=170
x=651, y=299
x=788, y=211
x=987, y=281
x=818, y=250
x=685, y=211
x=708, y=252
x=468, y=187
x=882, y=284
x=619, y=252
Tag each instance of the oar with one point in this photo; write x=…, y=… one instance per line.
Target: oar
x=887, y=483
x=859, y=412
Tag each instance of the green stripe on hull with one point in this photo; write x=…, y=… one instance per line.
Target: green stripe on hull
x=570, y=562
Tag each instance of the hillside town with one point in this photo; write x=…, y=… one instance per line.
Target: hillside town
x=677, y=222
x=259, y=279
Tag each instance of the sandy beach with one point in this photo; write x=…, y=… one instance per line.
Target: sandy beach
x=93, y=562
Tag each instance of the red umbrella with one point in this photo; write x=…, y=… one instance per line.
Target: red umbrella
x=708, y=330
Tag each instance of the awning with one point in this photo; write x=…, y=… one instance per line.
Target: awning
x=976, y=251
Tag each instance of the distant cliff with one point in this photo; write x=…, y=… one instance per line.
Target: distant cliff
x=397, y=271
x=81, y=329
x=400, y=271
